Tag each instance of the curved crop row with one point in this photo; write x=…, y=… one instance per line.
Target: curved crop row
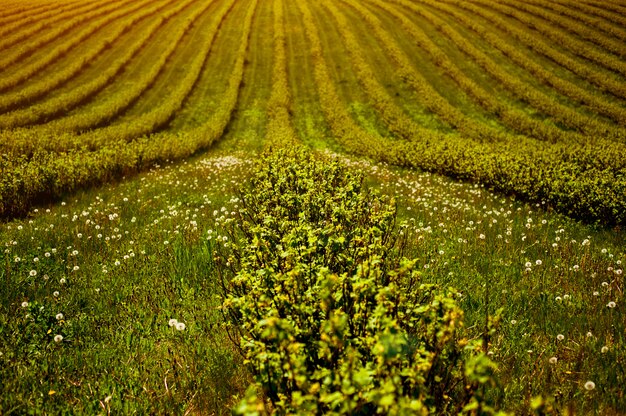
x=111, y=13
x=583, y=70
x=48, y=175
x=280, y=130
x=343, y=127
x=395, y=118
x=569, y=177
x=613, y=13
x=15, y=10
x=585, y=18
x=428, y=95
x=28, y=15
x=162, y=114
x=40, y=23
x=517, y=120
x=585, y=32
x=63, y=103
x=571, y=90
x=579, y=48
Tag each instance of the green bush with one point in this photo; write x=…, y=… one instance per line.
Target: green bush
x=328, y=312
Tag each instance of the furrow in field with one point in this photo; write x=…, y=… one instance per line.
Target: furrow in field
x=590, y=10
x=248, y=124
x=51, y=137
x=515, y=119
x=344, y=129
x=103, y=105
x=591, y=100
x=578, y=48
x=29, y=15
x=613, y=12
x=174, y=67
x=588, y=34
x=584, y=70
x=14, y=10
x=424, y=91
x=61, y=104
x=205, y=98
x=110, y=12
x=395, y=118
x=280, y=130
x=41, y=24
x=344, y=77
x=308, y=118
x=168, y=105
x=590, y=21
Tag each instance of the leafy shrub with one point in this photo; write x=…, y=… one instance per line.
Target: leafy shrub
x=330, y=315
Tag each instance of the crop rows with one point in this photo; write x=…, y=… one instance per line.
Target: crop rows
x=537, y=108
x=111, y=12
x=40, y=25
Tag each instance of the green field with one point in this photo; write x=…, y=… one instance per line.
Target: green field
x=477, y=146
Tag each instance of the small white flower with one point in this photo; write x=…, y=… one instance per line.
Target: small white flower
x=560, y=337
x=482, y=236
x=611, y=305
x=62, y=280
x=58, y=338
x=180, y=326
x=24, y=304
x=528, y=264
x=59, y=316
x=604, y=349
x=590, y=385
x=76, y=268
x=538, y=262
x=56, y=294
x=172, y=322
x=553, y=360
x=33, y=273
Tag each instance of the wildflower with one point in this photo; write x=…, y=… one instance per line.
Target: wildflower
x=611, y=305
x=558, y=299
x=62, y=280
x=553, y=360
x=513, y=322
x=58, y=338
x=59, y=316
x=590, y=385
x=560, y=337
x=33, y=273
x=76, y=268
x=538, y=262
x=528, y=264
x=482, y=236
x=180, y=326
x=604, y=349
x=56, y=294
x=24, y=304
x=172, y=322
x=605, y=284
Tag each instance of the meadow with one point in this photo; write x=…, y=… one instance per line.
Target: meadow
x=355, y=207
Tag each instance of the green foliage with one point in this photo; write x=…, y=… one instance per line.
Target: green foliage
x=329, y=313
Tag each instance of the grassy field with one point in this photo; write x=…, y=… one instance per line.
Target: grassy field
x=133, y=133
